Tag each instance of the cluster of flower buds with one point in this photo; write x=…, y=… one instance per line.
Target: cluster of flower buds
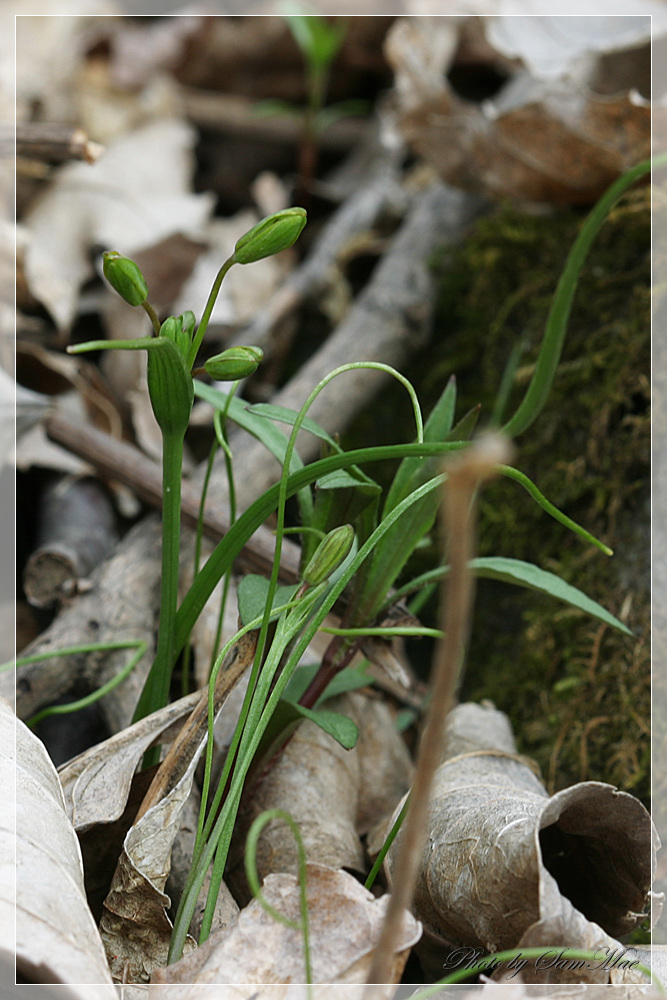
x=169, y=378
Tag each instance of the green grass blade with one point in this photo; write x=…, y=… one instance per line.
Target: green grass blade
x=561, y=305
x=526, y=574
x=546, y=505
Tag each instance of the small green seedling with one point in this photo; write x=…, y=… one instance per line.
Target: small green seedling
x=172, y=353
x=319, y=41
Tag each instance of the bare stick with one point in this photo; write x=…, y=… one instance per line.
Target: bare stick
x=53, y=143
x=465, y=473
x=77, y=531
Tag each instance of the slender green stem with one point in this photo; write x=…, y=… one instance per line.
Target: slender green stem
x=187, y=653
x=551, y=509
x=561, y=305
x=386, y=633
x=253, y=730
x=153, y=316
x=220, y=425
x=289, y=451
x=155, y=694
x=74, y=706
x=206, y=315
x=52, y=654
x=253, y=879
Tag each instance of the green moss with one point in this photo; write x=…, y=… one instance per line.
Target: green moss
x=578, y=693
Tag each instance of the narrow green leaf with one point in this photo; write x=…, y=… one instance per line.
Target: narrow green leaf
x=526, y=574
x=463, y=431
x=561, y=304
x=227, y=550
x=522, y=574
x=342, y=479
x=546, y=505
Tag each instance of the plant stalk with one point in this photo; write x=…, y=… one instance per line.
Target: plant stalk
x=156, y=690
x=464, y=476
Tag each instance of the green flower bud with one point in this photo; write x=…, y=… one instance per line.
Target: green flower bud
x=271, y=235
x=329, y=554
x=234, y=363
x=169, y=386
x=173, y=329
x=125, y=278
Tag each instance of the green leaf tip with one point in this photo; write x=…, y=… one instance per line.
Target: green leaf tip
x=275, y=233
x=125, y=278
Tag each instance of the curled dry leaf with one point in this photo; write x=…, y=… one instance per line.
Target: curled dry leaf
x=555, y=141
x=334, y=795
x=56, y=937
x=96, y=784
x=344, y=923
x=507, y=866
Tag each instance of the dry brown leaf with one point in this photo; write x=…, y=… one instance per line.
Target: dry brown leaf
x=137, y=194
x=135, y=927
x=333, y=794
x=556, y=141
x=97, y=782
x=506, y=864
x=56, y=938
x=344, y=923
x=49, y=48
x=54, y=373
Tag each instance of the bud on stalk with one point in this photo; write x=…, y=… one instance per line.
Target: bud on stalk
x=275, y=233
x=329, y=555
x=125, y=278
x=234, y=363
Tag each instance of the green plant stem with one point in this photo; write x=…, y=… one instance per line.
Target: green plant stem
x=74, y=706
x=153, y=316
x=187, y=652
x=561, y=304
x=289, y=451
x=386, y=633
x=206, y=315
x=139, y=645
x=220, y=837
x=253, y=880
x=220, y=425
x=155, y=694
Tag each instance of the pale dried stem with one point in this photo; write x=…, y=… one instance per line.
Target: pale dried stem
x=465, y=474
